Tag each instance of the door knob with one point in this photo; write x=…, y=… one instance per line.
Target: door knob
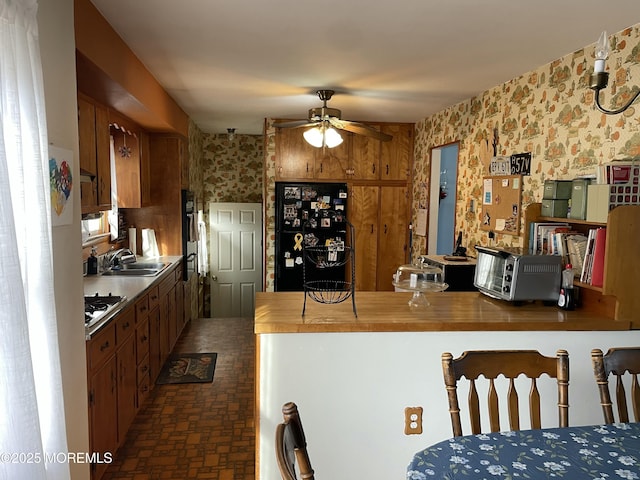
x=214, y=278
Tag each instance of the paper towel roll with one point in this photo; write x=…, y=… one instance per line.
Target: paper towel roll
x=149, y=243
x=132, y=240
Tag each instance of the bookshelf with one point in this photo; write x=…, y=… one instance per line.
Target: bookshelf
x=618, y=297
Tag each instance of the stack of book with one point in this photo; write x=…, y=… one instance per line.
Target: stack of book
x=593, y=265
x=585, y=253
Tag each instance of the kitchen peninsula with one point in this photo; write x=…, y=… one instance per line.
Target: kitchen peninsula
x=353, y=377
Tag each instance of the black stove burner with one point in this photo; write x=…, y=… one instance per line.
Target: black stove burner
x=95, y=306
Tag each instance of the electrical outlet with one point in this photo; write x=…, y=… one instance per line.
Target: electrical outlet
x=413, y=421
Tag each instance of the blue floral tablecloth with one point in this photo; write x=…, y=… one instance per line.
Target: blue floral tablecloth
x=604, y=452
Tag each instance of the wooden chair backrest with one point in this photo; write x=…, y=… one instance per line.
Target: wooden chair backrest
x=619, y=362
x=291, y=446
x=510, y=364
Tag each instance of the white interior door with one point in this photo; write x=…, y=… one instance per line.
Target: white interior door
x=236, y=258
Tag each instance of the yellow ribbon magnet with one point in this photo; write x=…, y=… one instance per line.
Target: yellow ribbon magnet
x=298, y=239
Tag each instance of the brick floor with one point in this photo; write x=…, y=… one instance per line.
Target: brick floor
x=198, y=430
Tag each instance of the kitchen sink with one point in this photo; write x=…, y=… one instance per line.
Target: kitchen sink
x=138, y=269
x=145, y=266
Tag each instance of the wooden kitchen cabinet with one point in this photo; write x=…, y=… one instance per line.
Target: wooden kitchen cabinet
x=103, y=430
x=103, y=401
x=396, y=155
x=94, y=153
x=127, y=385
x=155, y=342
x=142, y=350
x=380, y=216
x=297, y=160
x=373, y=159
x=133, y=174
x=363, y=215
x=365, y=158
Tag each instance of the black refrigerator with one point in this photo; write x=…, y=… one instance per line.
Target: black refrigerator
x=307, y=214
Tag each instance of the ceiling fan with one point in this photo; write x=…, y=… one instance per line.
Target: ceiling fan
x=325, y=120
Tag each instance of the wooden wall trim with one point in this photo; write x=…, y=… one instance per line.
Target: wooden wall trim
x=125, y=84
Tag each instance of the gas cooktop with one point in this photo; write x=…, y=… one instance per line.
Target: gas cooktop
x=97, y=306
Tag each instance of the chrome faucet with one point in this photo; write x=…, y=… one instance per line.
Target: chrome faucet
x=118, y=257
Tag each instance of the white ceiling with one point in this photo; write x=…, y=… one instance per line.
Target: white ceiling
x=230, y=64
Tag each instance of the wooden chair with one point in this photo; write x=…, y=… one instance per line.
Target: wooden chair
x=511, y=364
x=617, y=361
x=291, y=446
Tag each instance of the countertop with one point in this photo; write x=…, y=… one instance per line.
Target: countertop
x=130, y=287
x=281, y=312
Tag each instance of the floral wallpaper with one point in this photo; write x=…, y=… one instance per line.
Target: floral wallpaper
x=232, y=171
x=548, y=112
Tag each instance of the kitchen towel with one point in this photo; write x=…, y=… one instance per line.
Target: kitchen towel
x=149, y=243
x=203, y=255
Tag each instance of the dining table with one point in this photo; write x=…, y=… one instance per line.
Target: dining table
x=604, y=452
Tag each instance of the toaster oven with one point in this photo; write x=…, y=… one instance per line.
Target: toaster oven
x=507, y=273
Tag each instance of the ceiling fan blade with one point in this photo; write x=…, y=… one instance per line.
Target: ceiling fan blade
x=293, y=123
x=360, y=129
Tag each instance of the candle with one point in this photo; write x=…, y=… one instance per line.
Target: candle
x=602, y=52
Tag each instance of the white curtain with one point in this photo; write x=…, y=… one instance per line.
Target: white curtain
x=32, y=424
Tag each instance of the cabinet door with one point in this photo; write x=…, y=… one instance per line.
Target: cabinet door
x=155, y=360
x=127, y=385
x=365, y=158
x=87, y=136
x=103, y=156
x=103, y=413
x=87, y=152
x=363, y=214
x=333, y=163
x=295, y=158
x=396, y=155
x=393, y=235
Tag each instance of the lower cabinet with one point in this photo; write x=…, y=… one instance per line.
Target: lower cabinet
x=124, y=360
x=103, y=400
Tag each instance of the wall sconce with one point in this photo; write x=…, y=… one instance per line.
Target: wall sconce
x=323, y=137
x=599, y=78
x=231, y=134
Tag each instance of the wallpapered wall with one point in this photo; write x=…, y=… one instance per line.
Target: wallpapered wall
x=548, y=112
x=232, y=171
x=229, y=172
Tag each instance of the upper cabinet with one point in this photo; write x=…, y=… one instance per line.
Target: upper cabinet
x=131, y=157
x=95, y=168
x=358, y=157
x=296, y=159
x=396, y=155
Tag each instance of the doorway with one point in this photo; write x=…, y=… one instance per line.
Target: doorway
x=236, y=258
x=442, y=203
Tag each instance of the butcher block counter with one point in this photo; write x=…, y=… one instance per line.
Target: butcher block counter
x=281, y=312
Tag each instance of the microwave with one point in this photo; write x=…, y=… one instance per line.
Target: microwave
x=507, y=273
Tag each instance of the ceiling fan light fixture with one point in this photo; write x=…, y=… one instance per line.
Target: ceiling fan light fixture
x=332, y=138
x=321, y=136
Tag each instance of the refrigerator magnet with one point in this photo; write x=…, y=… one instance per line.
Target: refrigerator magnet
x=289, y=263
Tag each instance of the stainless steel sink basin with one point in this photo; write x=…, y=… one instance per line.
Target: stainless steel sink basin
x=138, y=269
x=145, y=266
